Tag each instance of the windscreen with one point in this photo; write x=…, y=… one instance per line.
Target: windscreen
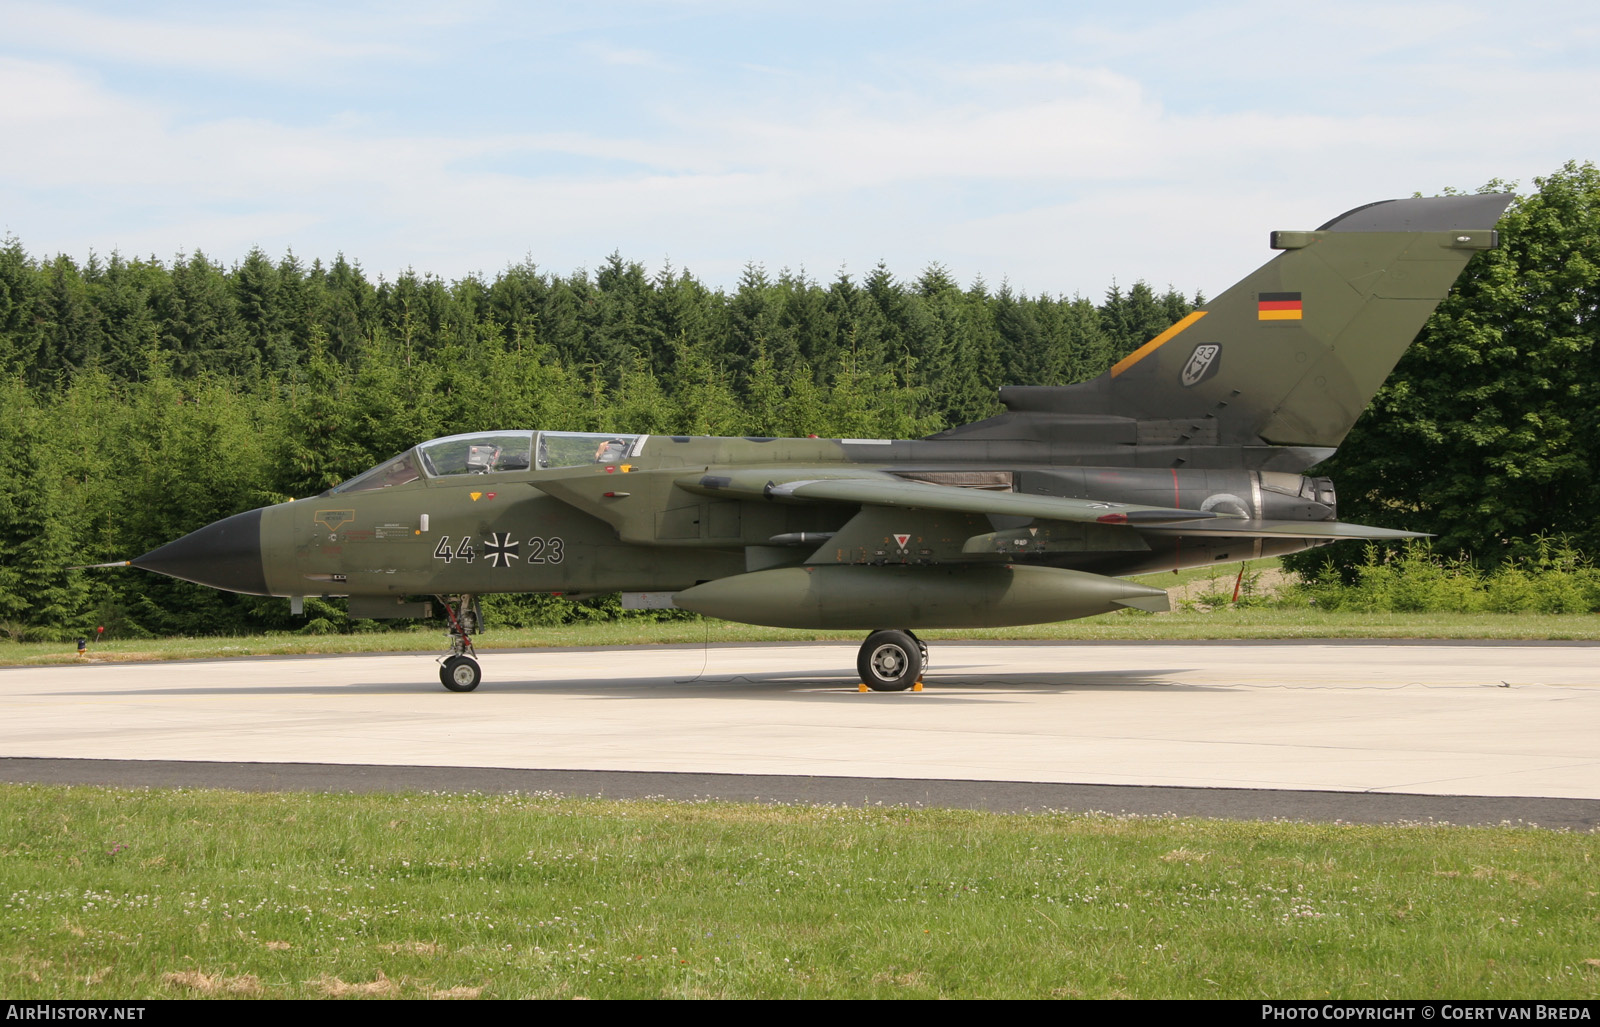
x=394, y=471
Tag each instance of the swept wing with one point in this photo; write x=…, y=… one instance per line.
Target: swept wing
x=887, y=490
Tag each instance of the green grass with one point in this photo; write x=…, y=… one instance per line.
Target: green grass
x=1126, y=627
x=138, y=894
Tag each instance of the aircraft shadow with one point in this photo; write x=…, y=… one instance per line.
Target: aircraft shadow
x=955, y=688
x=787, y=686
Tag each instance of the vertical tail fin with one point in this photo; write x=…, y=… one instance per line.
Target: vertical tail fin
x=1293, y=354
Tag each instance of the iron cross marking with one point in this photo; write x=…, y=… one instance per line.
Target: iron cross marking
x=500, y=549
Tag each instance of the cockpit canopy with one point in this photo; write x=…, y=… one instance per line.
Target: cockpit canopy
x=576, y=448
x=482, y=453
x=496, y=452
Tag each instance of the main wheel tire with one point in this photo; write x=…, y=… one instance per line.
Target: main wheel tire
x=460, y=673
x=889, y=661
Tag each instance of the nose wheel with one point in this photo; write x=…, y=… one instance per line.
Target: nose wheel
x=459, y=671
x=891, y=661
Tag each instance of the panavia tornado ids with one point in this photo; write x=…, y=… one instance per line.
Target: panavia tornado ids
x=1188, y=452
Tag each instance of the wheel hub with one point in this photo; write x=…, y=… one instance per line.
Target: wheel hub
x=888, y=662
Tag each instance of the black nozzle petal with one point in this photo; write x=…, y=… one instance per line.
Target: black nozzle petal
x=225, y=555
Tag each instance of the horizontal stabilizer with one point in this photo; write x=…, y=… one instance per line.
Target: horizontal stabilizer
x=1256, y=528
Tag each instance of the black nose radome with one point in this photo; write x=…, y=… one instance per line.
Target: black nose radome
x=224, y=555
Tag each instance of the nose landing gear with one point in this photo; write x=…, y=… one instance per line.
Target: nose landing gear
x=459, y=671
x=891, y=661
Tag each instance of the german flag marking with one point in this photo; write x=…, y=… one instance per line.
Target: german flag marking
x=1278, y=306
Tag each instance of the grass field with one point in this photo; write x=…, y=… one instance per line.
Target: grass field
x=134, y=894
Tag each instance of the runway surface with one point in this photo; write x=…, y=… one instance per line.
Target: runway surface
x=1147, y=727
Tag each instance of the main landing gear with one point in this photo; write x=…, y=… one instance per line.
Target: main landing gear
x=892, y=661
x=459, y=671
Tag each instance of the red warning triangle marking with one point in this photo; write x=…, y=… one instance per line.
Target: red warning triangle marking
x=902, y=539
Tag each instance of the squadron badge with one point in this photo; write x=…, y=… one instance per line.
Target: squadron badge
x=1203, y=363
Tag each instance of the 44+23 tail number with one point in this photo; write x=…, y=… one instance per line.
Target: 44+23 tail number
x=499, y=548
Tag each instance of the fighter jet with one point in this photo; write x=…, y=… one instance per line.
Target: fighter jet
x=1191, y=451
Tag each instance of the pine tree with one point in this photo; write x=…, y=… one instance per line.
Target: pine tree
x=41, y=532
x=320, y=446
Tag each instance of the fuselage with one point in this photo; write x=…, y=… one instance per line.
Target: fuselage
x=586, y=513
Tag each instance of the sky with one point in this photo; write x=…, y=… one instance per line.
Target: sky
x=1055, y=146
